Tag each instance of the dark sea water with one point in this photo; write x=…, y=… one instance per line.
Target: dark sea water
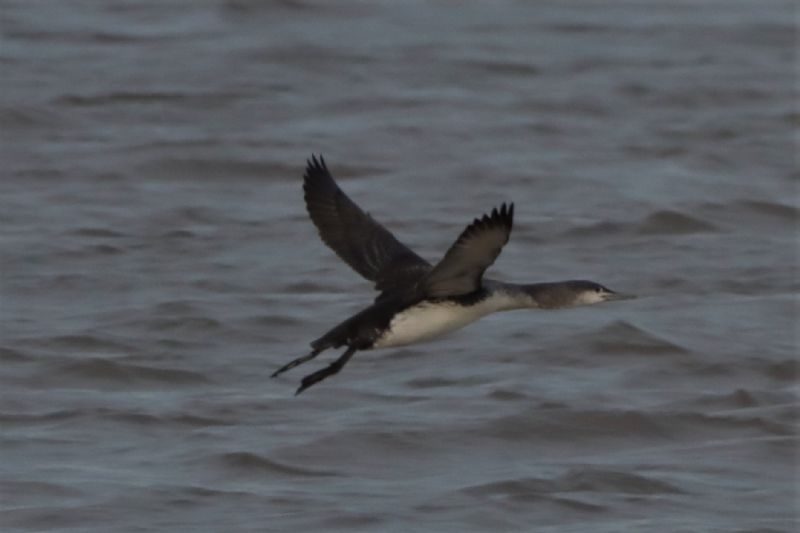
x=158, y=265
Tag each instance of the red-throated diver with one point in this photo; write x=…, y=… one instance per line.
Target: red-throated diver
x=419, y=301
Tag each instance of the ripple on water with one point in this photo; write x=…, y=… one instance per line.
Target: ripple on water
x=105, y=372
x=662, y=222
x=588, y=427
x=531, y=491
x=672, y=222
x=10, y=355
x=129, y=417
x=621, y=337
x=83, y=343
x=97, y=232
x=250, y=464
x=785, y=370
x=580, y=479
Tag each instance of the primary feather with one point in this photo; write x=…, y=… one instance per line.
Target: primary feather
x=357, y=238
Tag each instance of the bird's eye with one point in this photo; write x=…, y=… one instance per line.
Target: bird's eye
x=598, y=290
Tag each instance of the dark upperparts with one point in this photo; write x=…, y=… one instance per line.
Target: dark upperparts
x=372, y=251
x=359, y=240
x=462, y=267
x=553, y=295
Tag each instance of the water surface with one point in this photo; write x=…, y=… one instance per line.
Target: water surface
x=158, y=265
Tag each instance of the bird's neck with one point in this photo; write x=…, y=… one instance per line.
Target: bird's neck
x=508, y=296
x=530, y=295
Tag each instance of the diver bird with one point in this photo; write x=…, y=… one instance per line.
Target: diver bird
x=417, y=300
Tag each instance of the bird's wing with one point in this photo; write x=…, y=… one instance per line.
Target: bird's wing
x=460, y=270
x=360, y=241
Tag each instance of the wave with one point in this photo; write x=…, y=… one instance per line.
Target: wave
x=10, y=355
x=217, y=168
x=626, y=425
x=672, y=222
x=86, y=343
x=108, y=372
x=775, y=209
x=119, y=97
x=621, y=337
x=786, y=370
x=579, y=479
x=661, y=222
x=112, y=415
x=251, y=463
x=96, y=232
x=18, y=489
x=22, y=117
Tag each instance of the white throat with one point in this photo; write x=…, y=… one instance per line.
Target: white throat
x=589, y=298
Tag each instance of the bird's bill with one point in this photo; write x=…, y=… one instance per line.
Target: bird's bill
x=614, y=296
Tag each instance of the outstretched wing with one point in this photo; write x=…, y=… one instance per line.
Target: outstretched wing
x=461, y=268
x=360, y=241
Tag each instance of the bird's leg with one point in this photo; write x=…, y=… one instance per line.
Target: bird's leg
x=329, y=370
x=298, y=361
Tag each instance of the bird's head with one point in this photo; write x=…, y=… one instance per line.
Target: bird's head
x=573, y=293
x=589, y=292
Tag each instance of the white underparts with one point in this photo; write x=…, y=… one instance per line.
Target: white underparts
x=428, y=320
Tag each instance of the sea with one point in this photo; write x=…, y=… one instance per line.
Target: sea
x=157, y=265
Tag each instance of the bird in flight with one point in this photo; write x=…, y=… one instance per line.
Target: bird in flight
x=417, y=300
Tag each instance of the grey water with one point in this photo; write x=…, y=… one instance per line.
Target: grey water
x=157, y=265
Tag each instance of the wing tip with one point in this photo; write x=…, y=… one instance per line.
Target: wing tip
x=507, y=213
x=316, y=165
x=316, y=175
x=503, y=215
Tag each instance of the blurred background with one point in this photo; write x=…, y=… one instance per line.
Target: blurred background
x=157, y=265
